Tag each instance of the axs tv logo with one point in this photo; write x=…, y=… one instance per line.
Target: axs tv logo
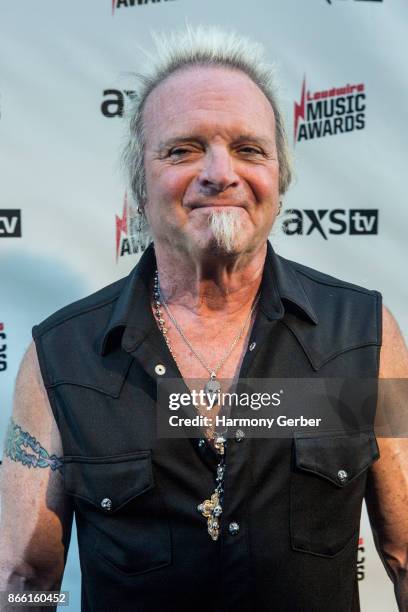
x=10, y=223
x=355, y=222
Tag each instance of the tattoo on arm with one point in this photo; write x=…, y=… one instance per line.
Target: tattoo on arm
x=17, y=441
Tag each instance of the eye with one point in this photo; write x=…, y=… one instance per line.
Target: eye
x=250, y=150
x=182, y=151
x=178, y=151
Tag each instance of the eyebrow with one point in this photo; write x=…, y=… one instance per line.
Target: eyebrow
x=165, y=144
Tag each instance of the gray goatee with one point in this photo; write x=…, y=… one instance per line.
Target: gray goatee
x=226, y=226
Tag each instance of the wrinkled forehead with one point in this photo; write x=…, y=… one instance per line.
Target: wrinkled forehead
x=209, y=93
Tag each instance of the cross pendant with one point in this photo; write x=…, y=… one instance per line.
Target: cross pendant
x=207, y=510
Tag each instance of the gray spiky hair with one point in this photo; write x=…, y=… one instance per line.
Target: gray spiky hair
x=207, y=46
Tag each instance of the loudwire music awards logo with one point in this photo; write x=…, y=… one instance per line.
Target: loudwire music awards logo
x=325, y=222
x=361, y=560
x=129, y=240
x=10, y=223
x=3, y=349
x=329, y=112
x=118, y=4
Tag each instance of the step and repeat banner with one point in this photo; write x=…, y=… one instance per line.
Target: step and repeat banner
x=66, y=224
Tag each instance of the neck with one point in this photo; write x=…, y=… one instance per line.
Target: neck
x=212, y=285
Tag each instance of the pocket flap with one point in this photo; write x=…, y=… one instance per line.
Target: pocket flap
x=339, y=459
x=108, y=482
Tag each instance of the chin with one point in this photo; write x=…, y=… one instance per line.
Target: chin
x=228, y=230
x=211, y=246
x=220, y=233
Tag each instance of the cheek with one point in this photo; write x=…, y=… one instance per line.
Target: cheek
x=170, y=183
x=265, y=184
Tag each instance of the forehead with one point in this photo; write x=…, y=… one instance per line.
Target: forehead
x=214, y=99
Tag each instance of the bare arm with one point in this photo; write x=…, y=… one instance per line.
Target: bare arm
x=387, y=492
x=35, y=513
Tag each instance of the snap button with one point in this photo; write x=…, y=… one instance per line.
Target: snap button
x=160, y=369
x=201, y=443
x=252, y=346
x=106, y=503
x=342, y=475
x=233, y=528
x=239, y=435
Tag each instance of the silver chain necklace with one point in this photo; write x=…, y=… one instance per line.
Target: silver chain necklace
x=211, y=509
x=212, y=386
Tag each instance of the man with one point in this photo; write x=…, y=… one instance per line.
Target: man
x=208, y=164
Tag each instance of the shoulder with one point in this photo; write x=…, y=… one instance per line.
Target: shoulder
x=68, y=342
x=30, y=398
x=313, y=277
x=97, y=304
x=332, y=297
x=394, y=352
x=345, y=316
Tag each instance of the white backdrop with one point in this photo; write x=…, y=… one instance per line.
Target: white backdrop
x=65, y=68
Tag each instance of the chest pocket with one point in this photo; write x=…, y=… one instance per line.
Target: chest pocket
x=120, y=513
x=327, y=488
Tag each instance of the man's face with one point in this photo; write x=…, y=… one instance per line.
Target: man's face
x=211, y=162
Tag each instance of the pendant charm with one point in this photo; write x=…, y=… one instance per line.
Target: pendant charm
x=219, y=444
x=211, y=510
x=212, y=386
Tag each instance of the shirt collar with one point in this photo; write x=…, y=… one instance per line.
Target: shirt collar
x=288, y=288
x=131, y=318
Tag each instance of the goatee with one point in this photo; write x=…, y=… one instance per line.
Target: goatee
x=226, y=226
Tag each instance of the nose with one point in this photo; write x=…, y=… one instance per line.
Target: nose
x=218, y=173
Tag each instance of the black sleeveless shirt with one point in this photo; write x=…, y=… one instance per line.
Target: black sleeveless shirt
x=148, y=549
